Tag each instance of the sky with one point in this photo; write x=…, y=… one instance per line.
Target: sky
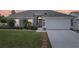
x=8, y=12
x=67, y=11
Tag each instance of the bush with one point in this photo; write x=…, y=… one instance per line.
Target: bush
x=3, y=25
x=11, y=23
x=33, y=27
x=28, y=27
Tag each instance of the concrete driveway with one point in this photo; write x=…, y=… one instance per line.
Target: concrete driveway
x=63, y=38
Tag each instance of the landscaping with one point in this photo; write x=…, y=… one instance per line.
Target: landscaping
x=20, y=39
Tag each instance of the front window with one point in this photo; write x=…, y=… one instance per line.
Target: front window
x=30, y=20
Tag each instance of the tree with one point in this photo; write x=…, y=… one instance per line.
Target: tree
x=25, y=21
x=11, y=22
x=27, y=24
x=13, y=12
x=3, y=19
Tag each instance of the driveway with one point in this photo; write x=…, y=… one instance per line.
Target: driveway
x=63, y=38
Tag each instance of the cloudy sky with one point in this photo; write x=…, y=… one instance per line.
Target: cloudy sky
x=8, y=12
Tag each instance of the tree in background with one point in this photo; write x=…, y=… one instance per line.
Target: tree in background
x=13, y=12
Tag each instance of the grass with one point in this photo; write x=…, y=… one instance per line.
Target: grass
x=20, y=39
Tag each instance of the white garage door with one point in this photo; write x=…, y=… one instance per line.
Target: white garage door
x=57, y=23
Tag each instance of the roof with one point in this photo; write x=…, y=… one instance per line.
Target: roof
x=74, y=14
x=45, y=13
x=21, y=15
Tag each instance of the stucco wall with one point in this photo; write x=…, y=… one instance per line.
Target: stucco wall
x=17, y=22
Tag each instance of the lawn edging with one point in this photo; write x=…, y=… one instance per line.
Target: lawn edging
x=45, y=41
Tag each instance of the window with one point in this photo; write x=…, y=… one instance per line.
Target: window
x=30, y=20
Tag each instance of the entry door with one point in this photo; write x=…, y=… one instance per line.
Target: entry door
x=39, y=21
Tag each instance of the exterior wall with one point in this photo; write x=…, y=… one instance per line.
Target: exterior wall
x=21, y=23
x=57, y=23
x=17, y=24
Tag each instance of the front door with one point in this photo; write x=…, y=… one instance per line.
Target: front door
x=39, y=21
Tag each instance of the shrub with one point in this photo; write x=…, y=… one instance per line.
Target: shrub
x=11, y=23
x=3, y=19
x=33, y=27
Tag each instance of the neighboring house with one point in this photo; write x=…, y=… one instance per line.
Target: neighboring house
x=75, y=20
x=44, y=18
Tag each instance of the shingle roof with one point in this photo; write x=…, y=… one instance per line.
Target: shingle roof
x=31, y=13
x=21, y=15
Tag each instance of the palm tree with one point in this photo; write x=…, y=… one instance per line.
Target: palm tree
x=27, y=24
x=25, y=21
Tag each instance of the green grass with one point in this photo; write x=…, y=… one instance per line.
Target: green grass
x=20, y=39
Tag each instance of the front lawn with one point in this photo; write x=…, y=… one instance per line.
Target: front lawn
x=20, y=39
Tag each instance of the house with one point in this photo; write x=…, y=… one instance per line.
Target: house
x=44, y=18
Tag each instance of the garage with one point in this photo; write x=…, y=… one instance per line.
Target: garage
x=57, y=23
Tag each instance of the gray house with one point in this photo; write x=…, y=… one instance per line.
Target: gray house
x=44, y=18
